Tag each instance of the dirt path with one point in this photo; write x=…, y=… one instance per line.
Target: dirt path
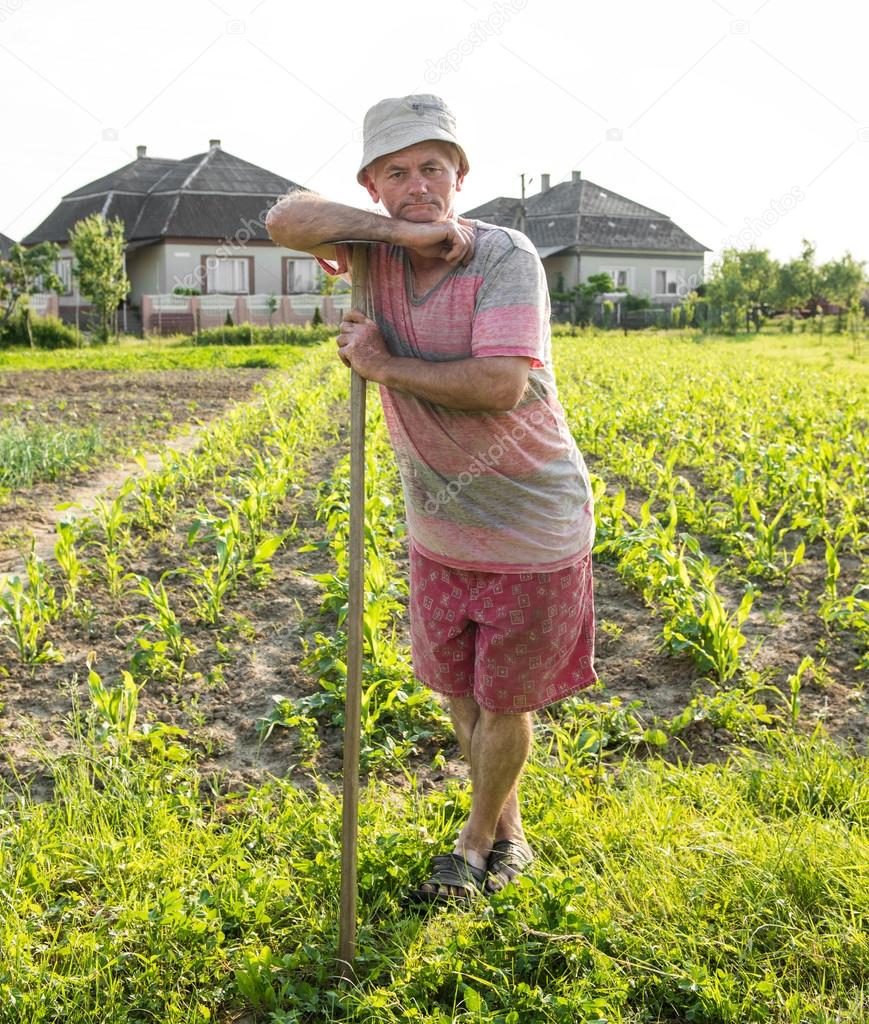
x=42, y=522
x=133, y=410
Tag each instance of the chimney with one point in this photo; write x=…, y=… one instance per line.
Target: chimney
x=214, y=143
x=576, y=177
x=141, y=151
x=544, y=182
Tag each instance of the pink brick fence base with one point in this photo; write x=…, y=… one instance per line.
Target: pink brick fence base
x=187, y=315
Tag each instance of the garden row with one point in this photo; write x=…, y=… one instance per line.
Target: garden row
x=735, y=473
x=161, y=560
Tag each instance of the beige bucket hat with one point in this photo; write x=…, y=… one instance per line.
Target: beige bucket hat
x=402, y=121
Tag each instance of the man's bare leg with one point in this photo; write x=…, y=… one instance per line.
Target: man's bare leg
x=496, y=747
x=465, y=713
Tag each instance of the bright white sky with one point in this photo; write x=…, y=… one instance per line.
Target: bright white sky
x=728, y=115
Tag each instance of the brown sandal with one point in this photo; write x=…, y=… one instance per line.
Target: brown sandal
x=451, y=869
x=508, y=859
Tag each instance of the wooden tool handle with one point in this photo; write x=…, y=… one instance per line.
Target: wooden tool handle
x=355, y=607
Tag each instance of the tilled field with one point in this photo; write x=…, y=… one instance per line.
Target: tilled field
x=129, y=411
x=231, y=663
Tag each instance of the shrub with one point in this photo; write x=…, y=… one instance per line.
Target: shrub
x=253, y=334
x=47, y=331
x=634, y=302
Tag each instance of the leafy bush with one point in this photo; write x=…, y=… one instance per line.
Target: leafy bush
x=48, y=332
x=252, y=334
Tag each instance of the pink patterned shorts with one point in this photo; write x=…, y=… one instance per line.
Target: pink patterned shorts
x=513, y=641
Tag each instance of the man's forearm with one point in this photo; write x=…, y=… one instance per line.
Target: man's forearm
x=493, y=384
x=304, y=221
x=310, y=223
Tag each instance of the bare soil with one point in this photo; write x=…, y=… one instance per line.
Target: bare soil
x=134, y=410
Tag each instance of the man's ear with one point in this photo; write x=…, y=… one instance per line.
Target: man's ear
x=460, y=178
x=371, y=188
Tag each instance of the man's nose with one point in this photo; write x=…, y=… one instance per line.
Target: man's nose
x=418, y=183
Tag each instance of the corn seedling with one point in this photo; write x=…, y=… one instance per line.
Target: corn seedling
x=67, y=558
x=213, y=581
x=795, y=683
x=712, y=635
x=116, y=711
x=112, y=519
x=23, y=618
x=169, y=653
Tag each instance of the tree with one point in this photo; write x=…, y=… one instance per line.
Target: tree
x=98, y=247
x=843, y=282
x=25, y=272
x=726, y=291
x=798, y=281
x=759, y=274
x=743, y=286
x=585, y=294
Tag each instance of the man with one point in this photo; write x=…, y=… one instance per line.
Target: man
x=497, y=496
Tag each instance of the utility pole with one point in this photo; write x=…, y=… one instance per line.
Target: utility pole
x=521, y=217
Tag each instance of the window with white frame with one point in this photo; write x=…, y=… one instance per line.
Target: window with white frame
x=666, y=282
x=227, y=276
x=63, y=269
x=621, y=277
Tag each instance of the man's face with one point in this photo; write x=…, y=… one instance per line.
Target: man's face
x=418, y=183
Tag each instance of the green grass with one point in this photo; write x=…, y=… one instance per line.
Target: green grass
x=832, y=352
x=38, y=451
x=728, y=893
x=152, y=355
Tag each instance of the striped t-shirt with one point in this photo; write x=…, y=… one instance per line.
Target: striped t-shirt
x=484, y=491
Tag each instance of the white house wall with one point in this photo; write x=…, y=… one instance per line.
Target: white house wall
x=561, y=270
x=182, y=266
x=145, y=271
x=688, y=271
x=158, y=269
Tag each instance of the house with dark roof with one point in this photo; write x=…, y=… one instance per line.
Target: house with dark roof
x=196, y=223
x=6, y=244
x=580, y=229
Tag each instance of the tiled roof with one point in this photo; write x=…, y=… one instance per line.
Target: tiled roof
x=5, y=244
x=636, y=233
x=502, y=211
x=581, y=213
x=212, y=195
